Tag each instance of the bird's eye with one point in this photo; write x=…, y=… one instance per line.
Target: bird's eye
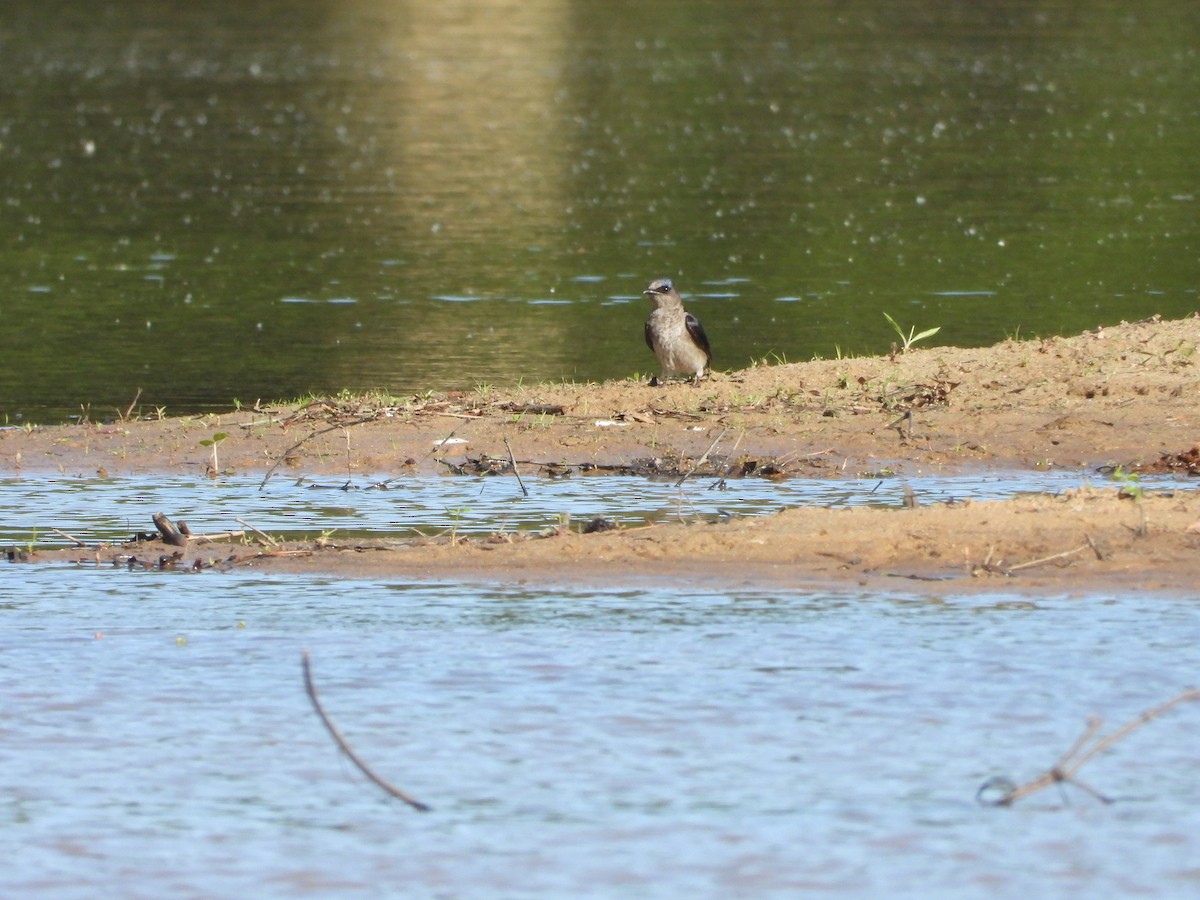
x=665, y=287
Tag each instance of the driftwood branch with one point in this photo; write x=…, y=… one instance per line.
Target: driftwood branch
x=176, y=537
x=311, y=689
x=1075, y=758
x=180, y=535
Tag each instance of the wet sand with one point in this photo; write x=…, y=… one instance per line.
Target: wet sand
x=1122, y=396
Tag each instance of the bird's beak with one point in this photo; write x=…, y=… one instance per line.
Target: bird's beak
x=648, y=293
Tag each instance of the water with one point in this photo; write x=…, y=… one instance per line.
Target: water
x=258, y=200
x=157, y=740
x=113, y=509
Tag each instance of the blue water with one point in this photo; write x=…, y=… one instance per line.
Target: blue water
x=156, y=740
x=109, y=509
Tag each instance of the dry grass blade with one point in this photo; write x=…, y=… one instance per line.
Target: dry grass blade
x=311, y=689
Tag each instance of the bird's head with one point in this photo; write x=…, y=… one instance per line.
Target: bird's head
x=661, y=289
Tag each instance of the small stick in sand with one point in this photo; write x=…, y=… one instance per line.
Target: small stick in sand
x=698, y=463
x=70, y=537
x=262, y=534
x=513, y=460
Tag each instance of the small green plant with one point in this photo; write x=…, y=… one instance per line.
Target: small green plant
x=772, y=358
x=907, y=340
x=456, y=515
x=214, y=467
x=1130, y=482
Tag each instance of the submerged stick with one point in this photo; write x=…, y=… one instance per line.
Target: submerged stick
x=1071, y=762
x=311, y=689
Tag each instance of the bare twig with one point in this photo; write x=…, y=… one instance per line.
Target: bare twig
x=311, y=689
x=732, y=451
x=788, y=458
x=70, y=537
x=698, y=463
x=1074, y=759
x=270, y=420
x=213, y=536
x=305, y=440
x=1104, y=744
x=436, y=447
x=905, y=419
x=262, y=534
x=512, y=459
x=1046, y=559
x=129, y=411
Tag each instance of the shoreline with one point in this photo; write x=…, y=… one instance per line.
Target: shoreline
x=1124, y=396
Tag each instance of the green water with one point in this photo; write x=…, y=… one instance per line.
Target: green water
x=242, y=200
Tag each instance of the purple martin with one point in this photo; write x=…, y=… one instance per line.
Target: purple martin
x=674, y=334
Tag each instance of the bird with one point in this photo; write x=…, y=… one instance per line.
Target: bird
x=674, y=334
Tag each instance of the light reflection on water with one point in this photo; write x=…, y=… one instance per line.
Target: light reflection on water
x=592, y=744
x=225, y=202
x=115, y=508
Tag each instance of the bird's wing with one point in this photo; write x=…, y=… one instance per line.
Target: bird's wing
x=649, y=340
x=696, y=330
